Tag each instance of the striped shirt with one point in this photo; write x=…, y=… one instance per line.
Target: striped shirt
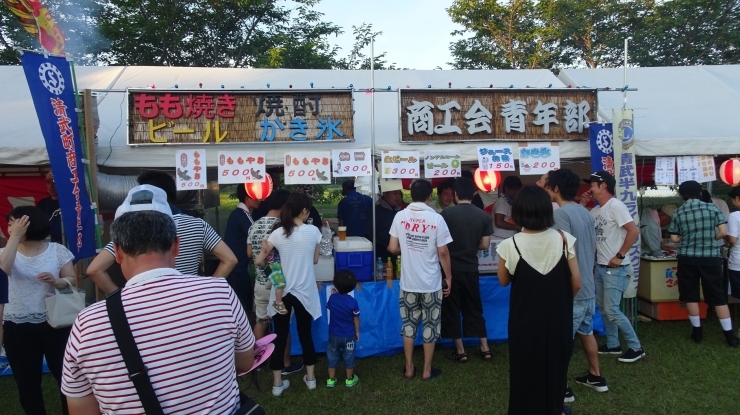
x=187, y=330
x=196, y=236
x=696, y=222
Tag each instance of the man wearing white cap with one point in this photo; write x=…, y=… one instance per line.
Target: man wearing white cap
x=163, y=311
x=651, y=222
x=385, y=211
x=196, y=236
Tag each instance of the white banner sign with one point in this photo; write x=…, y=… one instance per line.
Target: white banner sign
x=442, y=163
x=698, y=168
x=236, y=167
x=190, y=166
x=351, y=162
x=307, y=167
x=538, y=159
x=496, y=157
x=400, y=165
x=665, y=171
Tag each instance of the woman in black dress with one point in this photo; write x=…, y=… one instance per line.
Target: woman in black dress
x=541, y=265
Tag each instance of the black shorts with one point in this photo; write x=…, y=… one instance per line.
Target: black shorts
x=709, y=274
x=734, y=283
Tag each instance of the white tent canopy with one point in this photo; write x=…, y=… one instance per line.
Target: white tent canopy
x=684, y=110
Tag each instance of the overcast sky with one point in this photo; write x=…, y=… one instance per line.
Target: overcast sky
x=416, y=33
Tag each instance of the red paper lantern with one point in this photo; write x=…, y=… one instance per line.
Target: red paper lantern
x=729, y=172
x=260, y=190
x=487, y=180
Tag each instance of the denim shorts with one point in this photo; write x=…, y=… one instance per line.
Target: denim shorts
x=341, y=346
x=583, y=313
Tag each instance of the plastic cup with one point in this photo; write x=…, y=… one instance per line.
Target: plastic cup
x=342, y=233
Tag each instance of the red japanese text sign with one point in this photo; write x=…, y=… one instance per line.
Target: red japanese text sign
x=223, y=116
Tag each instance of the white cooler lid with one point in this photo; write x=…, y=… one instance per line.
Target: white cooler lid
x=352, y=244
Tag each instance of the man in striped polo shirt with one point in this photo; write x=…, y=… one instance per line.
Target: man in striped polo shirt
x=196, y=236
x=191, y=361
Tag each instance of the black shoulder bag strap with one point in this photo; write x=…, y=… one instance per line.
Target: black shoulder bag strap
x=137, y=372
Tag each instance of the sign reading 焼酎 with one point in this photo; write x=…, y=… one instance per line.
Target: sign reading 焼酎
x=229, y=117
x=500, y=114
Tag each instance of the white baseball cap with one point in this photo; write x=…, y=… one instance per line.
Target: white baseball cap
x=145, y=197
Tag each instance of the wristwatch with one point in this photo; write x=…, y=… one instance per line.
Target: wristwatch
x=619, y=256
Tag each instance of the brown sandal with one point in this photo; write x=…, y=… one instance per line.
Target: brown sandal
x=487, y=355
x=459, y=358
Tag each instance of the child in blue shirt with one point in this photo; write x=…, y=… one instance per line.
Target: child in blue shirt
x=344, y=328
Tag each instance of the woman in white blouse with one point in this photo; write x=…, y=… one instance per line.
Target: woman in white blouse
x=298, y=245
x=35, y=268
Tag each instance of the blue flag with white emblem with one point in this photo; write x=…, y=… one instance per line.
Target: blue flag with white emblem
x=602, y=148
x=50, y=81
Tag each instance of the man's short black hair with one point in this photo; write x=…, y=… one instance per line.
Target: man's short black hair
x=464, y=188
x=348, y=186
x=344, y=281
x=566, y=181
x=38, y=223
x=241, y=192
x=161, y=179
x=513, y=183
x=532, y=209
x=277, y=199
x=735, y=192
x=447, y=184
x=421, y=190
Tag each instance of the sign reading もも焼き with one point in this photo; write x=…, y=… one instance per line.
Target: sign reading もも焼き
x=698, y=168
x=496, y=157
x=213, y=117
x=190, y=169
x=351, y=162
x=400, y=165
x=496, y=114
x=442, y=163
x=307, y=167
x=538, y=159
x=235, y=167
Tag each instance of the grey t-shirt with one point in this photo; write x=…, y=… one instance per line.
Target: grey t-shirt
x=577, y=221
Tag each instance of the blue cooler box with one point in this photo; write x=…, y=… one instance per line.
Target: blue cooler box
x=354, y=254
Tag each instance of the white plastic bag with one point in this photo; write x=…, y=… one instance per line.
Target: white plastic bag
x=62, y=308
x=326, y=246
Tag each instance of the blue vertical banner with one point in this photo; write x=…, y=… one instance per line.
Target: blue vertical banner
x=627, y=192
x=602, y=147
x=51, y=84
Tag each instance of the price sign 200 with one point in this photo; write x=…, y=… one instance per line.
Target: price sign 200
x=544, y=164
x=445, y=172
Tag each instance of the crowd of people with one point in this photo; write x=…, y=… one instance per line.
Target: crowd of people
x=560, y=259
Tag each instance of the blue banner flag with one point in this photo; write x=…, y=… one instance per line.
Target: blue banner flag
x=50, y=81
x=602, y=149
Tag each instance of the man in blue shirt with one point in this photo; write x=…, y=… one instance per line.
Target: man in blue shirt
x=354, y=211
x=237, y=230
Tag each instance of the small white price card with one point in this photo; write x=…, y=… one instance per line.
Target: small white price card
x=190, y=168
x=307, y=167
x=442, y=163
x=496, y=157
x=351, y=162
x=236, y=167
x=698, y=168
x=538, y=159
x=400, y=165
x=665, y=171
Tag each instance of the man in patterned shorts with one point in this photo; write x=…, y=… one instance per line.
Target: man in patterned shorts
x=421, y=236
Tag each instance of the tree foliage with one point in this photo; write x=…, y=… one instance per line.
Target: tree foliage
x=590, y=33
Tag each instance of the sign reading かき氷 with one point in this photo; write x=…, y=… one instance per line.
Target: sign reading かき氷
x=213, y=117
x=496, y=114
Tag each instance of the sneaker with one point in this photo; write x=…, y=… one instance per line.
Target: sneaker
x=632, y=355
x=331, y=382
x=569, y=397
x=351, y=382
x=280, y=308
x=310, y=383
x=597, y=383
x=696, y=334
x=278, y=390
x=732, y=340
x=294, y=367
x=604, y=349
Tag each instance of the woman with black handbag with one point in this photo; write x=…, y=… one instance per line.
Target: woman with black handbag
x=36, y=268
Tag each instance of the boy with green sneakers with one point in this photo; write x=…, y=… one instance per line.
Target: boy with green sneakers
x=344, y=328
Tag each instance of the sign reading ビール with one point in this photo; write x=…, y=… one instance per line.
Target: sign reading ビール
x=400, y=165
x=442, y=163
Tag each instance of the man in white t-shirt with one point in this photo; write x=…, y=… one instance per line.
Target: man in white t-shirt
x=421, y=236
x=616, y=232
x=733, y=235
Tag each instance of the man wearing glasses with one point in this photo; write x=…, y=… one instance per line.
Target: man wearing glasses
x=616, y=232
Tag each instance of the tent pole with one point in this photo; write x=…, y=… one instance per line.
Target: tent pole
x=373, y=180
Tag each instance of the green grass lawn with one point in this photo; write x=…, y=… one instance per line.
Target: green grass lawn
x=676, y=377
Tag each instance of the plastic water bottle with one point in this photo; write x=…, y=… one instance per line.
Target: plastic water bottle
x=380, y=269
